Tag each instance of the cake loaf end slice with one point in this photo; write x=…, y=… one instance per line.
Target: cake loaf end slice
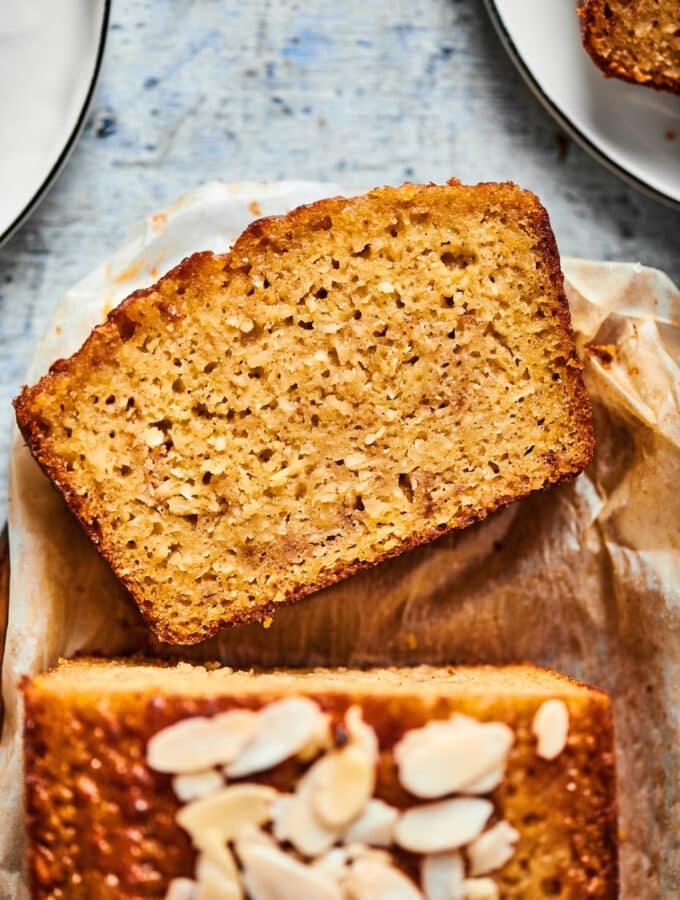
x=141, y=778
x=353, y=379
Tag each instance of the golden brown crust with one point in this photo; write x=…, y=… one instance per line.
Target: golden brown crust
x=280, y=232
x=597, y=40
x=101, y=823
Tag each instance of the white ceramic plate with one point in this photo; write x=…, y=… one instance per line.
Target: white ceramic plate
x=50, y=54
x=633, y=130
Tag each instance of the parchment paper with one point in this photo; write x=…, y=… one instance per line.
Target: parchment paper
x=585, y=578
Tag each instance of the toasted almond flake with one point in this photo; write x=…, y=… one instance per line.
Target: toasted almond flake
x=448, y=758
x=551, y=728
x=492, y=849
x=360, y=733
x=181, y=889
x=442, y=876
x=487, y=783
x=227, y=812
x=480, y=889
x=286, y=727
x=214, y=884
x=198, y=743
x=371, y=879
x=294, y=821
x=445, y=825
x=322, y=739
x=214, y=849
x=270, y=874
x=196, y=784
x=342, y=784
x=374, y=826
x=333, y=863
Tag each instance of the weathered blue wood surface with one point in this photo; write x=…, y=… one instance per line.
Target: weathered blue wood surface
x=346, y=90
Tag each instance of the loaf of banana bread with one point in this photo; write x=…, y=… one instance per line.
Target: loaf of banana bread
x=635, y=40
x=157, y=780
x=353, y=379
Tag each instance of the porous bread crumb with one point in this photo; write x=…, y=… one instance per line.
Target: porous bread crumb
x=353, y=379
x=635, y=40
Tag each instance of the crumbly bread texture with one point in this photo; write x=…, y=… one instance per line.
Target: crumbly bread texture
x=101, y=822
x=354, y=379
x=635, y=40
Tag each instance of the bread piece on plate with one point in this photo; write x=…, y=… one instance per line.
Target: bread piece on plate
x=497, y=779
x=353, y=379
x=635, y=40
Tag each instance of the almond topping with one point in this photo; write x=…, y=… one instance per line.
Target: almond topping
x=294, y=821
x=342, y=784
x=480, y=889
x=213, y=884
x=333, y=864
x=181, y=889
x=360, y=733
x=270, y=874
x=286, y=727
x=442, y=876
x=374, y=826
x=196, y=784
x=370, y=879
x=214, y=849
x=227, y=812
x=195, y=744
x=492, y=849
x=551, y=727
x=448, y=758
x=445, y=825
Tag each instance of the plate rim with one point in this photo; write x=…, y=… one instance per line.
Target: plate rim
x=68, y=147
x=566, y=123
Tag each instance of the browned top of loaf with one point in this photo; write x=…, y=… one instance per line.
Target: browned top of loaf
x=101, y=822
x=635, y=40
x=352, y=380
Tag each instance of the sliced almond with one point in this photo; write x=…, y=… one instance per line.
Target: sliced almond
x=480, y=889
x=445, y=825
x=363, y=851
x=198, y=743
x=294, y=821
x=227, y=812
x=286, y=727
x=270, y=874
x=487, y=783
x=375, y=824
x=181, y=889
x=551, y=728
x=370, y=879
x=441, y=760
x=213, y=884
x=492, y=849
x=214, y=849
x=196, y=784
x=334, y=863
x=360, y=732
x=321, y=740
x=442, y=876
x=342, y=783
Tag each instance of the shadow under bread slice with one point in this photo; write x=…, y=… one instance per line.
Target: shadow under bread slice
x=146, y=779
x=352, y=380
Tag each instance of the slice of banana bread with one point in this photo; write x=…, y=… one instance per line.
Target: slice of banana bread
x=635, y=40
x=144, y=778
x=352, y=380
